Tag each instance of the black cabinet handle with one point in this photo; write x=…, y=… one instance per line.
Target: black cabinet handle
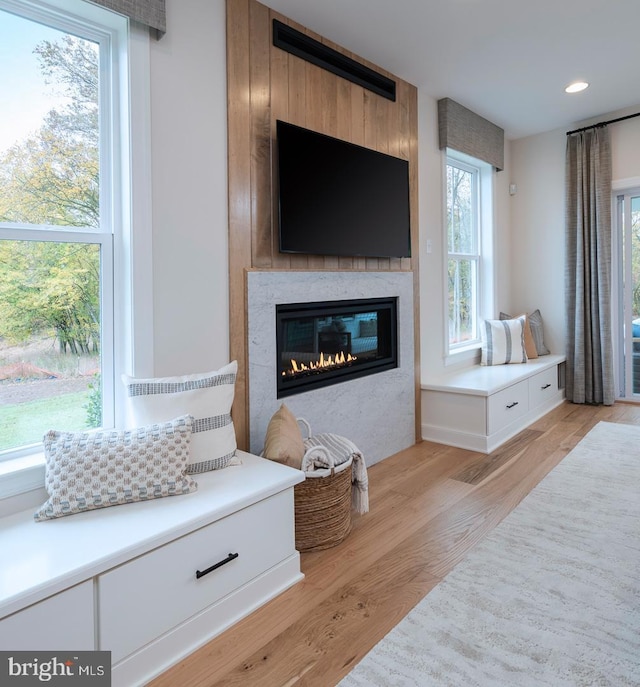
x=219, y=564
x=511, y=405
x=546, y=386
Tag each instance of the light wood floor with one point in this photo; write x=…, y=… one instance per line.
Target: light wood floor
x=429, y=505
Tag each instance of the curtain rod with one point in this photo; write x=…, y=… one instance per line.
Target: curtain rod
x=599, y=124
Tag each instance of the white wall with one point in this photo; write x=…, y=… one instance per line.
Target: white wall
x=189, y=167
x=537, y=217
x=537, y=229
x=625, y=148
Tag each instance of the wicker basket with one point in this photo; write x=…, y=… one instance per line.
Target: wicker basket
x=323, y=504
x=323, y=509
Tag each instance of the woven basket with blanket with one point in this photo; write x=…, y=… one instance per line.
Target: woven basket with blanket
x=336, y=479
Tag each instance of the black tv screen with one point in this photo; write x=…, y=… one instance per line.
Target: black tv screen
x=338, y=198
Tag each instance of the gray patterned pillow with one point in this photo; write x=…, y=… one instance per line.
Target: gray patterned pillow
x=90, y=470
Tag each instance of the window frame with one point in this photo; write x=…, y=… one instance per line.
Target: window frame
x=474, y=257
x=621, y=297
x=484, y=221
x=128, y=142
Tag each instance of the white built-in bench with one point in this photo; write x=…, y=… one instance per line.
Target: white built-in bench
x=123, y=579
x=481, y=407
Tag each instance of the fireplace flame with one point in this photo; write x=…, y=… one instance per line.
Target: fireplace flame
x=325, y=361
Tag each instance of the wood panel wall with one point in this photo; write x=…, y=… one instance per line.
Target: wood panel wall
x=264, y=84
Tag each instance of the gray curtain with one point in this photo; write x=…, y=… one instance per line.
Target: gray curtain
x=589, y=377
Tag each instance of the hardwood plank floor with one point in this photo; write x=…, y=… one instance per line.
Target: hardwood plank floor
x=429, y=505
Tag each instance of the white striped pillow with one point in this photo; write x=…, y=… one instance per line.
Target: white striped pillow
x=207, y=397
x=503, y=342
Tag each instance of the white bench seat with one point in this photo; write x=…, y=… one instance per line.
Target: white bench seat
x=123, y=579
x=481, y=407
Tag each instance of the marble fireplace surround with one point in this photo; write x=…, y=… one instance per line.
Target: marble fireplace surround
x=376, y=412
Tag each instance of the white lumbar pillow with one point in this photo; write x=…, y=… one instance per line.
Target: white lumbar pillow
x=206, y=396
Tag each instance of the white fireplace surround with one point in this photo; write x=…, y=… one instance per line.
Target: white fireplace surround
x=376, y=412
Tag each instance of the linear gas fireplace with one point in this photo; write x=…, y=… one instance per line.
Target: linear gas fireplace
x=331, y=341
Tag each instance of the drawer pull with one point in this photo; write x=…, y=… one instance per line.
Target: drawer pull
x=511, y=405
x=546, y=386
x=219, y=564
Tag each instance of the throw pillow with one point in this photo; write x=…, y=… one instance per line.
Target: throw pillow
x=283, y=441
x=503, y=342
x=529, y=343
x=535, y=318
x=89, y=470
x=535, y=323
x=207, y=396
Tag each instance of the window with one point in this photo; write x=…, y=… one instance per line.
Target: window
x=469, y=246
x=69, y=274
x=626, y=295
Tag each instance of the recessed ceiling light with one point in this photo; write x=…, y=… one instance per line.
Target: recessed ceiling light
x=576, y=87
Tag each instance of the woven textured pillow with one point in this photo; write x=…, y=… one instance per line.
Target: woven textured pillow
x=207, y=396
x=503, y=342
x=283, y=441
x=90, y=470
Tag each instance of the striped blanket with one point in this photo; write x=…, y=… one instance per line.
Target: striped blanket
x=325, y=451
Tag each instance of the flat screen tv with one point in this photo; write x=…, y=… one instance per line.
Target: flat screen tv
x=338, y=198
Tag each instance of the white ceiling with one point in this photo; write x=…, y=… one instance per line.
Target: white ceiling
x=507, y=60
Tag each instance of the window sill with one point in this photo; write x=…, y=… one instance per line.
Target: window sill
x=21, y=475
x=468, y=355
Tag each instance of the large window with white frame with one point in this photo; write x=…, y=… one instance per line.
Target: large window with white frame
x=65, y=220
x=469, y=230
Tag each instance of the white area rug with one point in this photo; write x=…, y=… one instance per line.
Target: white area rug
x=550, y=597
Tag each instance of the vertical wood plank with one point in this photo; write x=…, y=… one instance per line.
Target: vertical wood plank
x=344, y=132
x=239, y=201
x=297, y=100
x=370, y=141
x=259, y=104
x=358, y=137
x=279, y=110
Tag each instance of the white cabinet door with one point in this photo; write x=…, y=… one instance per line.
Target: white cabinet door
x=507, y=406
x=62, y=622
x=152, y=594
x=543, y=387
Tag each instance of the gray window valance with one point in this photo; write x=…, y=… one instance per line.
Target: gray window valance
x=148, y=12
x=469, y=133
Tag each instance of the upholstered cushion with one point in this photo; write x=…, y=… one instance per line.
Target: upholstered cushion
x=535, y=323
x=283, y=442
x=503, y=342
x=207, y=396
x=89, y=470
x=529, y=343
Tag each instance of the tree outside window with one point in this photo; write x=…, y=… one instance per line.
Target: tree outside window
x=51, y=244
x=463, y=252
